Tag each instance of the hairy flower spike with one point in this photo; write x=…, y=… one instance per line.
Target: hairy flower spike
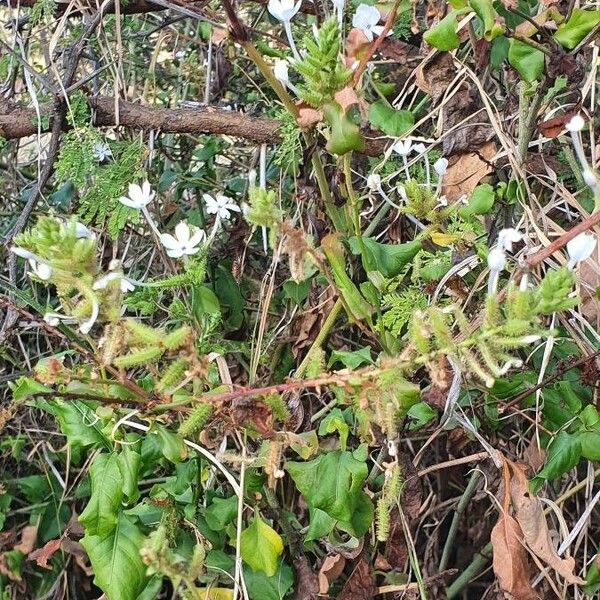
x=141, y=357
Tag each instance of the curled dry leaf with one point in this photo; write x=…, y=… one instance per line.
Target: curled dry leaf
x=510, y=561
x=307, y=117
x=28, y=538
x=360, y=584
x=531, y=518
x=357, y=45
x=465, y=171
x=346, y=97
x=44, y=554
x=330, y=570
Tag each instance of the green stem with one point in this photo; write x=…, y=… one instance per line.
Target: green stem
x=477, y=565
x=323, y=333
x=353, y=203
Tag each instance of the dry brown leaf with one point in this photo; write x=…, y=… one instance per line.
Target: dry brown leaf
x=346, y=97
x=307, y=585
x=465, y=171
x=360, y=584
x=307, y=117
x=330, y=570
x=28, y=538
x=356, y=46
x=44, y=554
x=510, y=561
x=531, y=518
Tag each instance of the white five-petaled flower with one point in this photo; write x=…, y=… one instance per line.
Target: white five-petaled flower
x=366, y=18
x=496, y=261
x=580, y=248
x=374, y=181
x=185, y=242
x=40, y=270
x=402, y=147
x=280, y=70
x=101, y=151
x=284, y=10
x=507, y=237
x=125, y=283
x=220, y=206
x=575, y=124
x=139, y=196
x=440, y=166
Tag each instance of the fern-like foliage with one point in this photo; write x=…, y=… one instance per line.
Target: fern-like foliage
x=321, y=68
x=400, y=308
x=288, y=154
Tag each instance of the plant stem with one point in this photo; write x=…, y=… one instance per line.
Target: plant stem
x=460, y=509
x=353, y=207
x=477, y=565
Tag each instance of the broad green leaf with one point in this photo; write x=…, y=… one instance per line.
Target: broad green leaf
x=221, y=512
x=261, y=587
x=498, y=52
x=563, y=454
x=25, y=387
x=118, y=568
x=320, y=525
x=171, y=444
x=480, y=201
x=100, y=516
x=296, y=291
x=421, y=413
x=333, y=484
x=345, y=135
x=359, y=308
x=388, y=259
x=528, y=61
x=261, y=546
x=589, y=416
x=304, y=444
x=590, y=445
x=204, y=301
x=333, y=422
x=580, y=23
x=485, y=11
x=129, y=464
x=351, y=360
x=390, y=121
x=443, y=36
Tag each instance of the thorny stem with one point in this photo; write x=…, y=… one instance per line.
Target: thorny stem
x=528, y=111
x=352, y=199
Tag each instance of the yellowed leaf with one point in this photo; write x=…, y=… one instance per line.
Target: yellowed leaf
x=444, y=239
x=465, y=171
x=213, y=593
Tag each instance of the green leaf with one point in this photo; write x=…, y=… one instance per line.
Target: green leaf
x=390, y=121
x=261, y=546
x=221, y=512
x=485, y=11
x=563, y=454
x=421, y=413
x=25, y=387
x=129, y=465
x=333, y=422
x=443, y=36
x=261, y=587
x=480, y=201
x=100, y=516
x=499, y=52
x=333, y=484
x=590, y=445
x=592, y=579
x=204, y=301
x=359, y=308
x=116, y=561
x=580, y=23
x=351, y=360
x=171, y=445
x=345, y=135
x=304, y=444
x=528, y=61
x=388, y=259
x=296, y=291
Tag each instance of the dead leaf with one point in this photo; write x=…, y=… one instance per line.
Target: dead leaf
x=75, y=549
x=307, y=586
x=510, y=560
x=534, y=456
x=465, y=171
x=360, y=584
x=28, y=538
x=531, y=518
x=307, y=117
x=44, y=554
x=357, y=45
x=346, y=97
x=552, y=127
x=331, y=569
x=219, y=35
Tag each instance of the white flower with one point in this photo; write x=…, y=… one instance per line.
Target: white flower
x=139, y=196
x=220, y=206
x=366, y=18
x=185, y=242
x=443, y=201
x=125, y=283
x=590, y=178
x=86, y=326
x=580, y=248
x=284, y=10
x=402, y=192
x=101, y=152
x=419, y=148
x=440, y=166
x=54, y=319
x=403, y=148
x=280, y=70
x=374, y=181
x=508, y=237
x=40, y=270
x=23, y=253
x=496, y=259
x=575, y=124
